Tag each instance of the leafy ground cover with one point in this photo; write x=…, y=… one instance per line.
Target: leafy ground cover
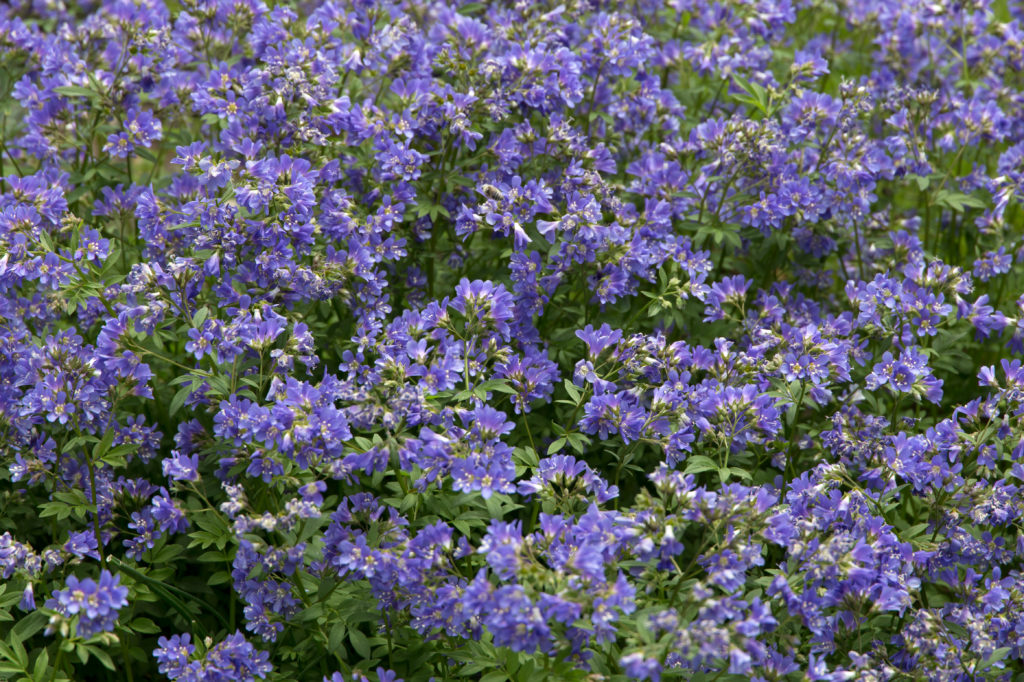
x=532, y=340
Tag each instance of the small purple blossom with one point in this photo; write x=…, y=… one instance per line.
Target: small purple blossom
x=95, y=603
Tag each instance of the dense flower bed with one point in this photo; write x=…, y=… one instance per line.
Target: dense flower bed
x=537, y=340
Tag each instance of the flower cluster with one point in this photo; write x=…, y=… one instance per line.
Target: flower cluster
x=95, y=603
x=231, y=659
x=434, y=339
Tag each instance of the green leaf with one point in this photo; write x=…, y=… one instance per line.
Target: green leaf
x=495, y=676
x=76, y=91
x=913, y=531
x=77, y=441
x=200, y=317
x=219, y=578
x=740, y=473
x=996, y=656
x=499, y=385
x=178, y=401
x=556, y=446
x=104, y=445
x=756, y=95
x=101, y=655
x=336, y=637
x=117, y=457
x=698, y=463
x=145, y=626
x=577, y=441
x=527, y=456
x=9, y=654
x=957, y=201
x=359, y=643
x=41, y=666
x=30, y=625
x=18, y=649
x=572, y=390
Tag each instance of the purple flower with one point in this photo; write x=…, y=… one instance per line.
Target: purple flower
x=639, y=667
x=486, y=306
x=598, y=340
x=82, y=544
x=562, y=477
x=612, y=413
x=28, y=599
x=140, y=129
x=234, y=658
x=204, y=341
x=95, y=603
x=181, y=467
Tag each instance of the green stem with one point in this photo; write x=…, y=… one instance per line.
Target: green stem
x=895, y=410
x=57, y=662
x=96, y=514
x=823, y=155
x=127, y=663
x=145, y=351
x=529, y=434
x=999, y=293
x=390, y=644
x=790, y=469
x=164, y=591
x=593, y=96
x=431, y=256
x=860, y=257
x=717, y=96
